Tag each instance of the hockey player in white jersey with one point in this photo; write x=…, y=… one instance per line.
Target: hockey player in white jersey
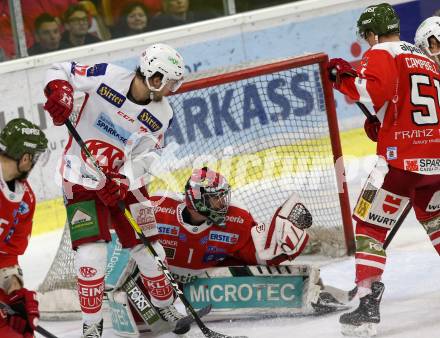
x=124, y=113
x=428, y=38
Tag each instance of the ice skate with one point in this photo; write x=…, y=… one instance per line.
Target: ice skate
x=92, y=331
x=363, y=321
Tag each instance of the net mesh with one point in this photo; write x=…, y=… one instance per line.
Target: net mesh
x=268, y=134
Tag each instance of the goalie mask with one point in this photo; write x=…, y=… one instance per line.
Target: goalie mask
x=380, y=19
x=428, y=38
x=208, y=193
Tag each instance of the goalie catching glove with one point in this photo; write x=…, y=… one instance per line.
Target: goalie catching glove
x=285, y=238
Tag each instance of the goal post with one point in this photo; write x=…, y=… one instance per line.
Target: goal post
x=271, y=129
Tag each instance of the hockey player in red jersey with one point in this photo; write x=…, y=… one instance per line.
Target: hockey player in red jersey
x=21, y=144
x=124, y=114
x=202, y=228
x=401, y=86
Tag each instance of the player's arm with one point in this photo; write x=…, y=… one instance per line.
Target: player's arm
x=62, y=79
x=285, y=237
x=373, y=84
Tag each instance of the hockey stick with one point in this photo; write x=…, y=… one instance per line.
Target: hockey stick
x=206, y=331
x=370, y=117
x=397, y=225
x=39, y=329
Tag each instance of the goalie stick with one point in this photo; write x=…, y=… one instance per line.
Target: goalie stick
x=205, y=330
x=39, y=329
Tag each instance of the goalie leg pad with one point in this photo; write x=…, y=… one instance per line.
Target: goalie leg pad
x=158, y=286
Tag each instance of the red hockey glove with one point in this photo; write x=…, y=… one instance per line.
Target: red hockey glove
x=24, y=303
x=372, y=129
x=59, y=102
x=114, y=190
x=338, y=68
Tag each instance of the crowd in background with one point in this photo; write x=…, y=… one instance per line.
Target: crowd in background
x=51, y=25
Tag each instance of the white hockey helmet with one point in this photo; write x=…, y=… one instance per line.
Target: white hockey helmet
x=427, y=29
x=165, y=60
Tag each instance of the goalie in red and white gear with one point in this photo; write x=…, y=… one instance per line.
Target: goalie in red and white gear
x=428, y=38
x=202, y=228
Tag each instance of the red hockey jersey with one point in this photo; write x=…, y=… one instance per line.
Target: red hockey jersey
x=401, y=86
x=192, y=249
x=16, y=213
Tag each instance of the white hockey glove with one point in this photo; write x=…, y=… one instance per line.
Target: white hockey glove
x=285, y=237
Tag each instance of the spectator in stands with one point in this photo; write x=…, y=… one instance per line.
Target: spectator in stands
x=134, y=20
x=176, y=12
x=47, y=35
x=32, y=9
x=112, y=9
x=76, y=24
x=97, y=26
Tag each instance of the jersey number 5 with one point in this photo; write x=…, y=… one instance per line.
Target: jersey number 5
x=419, y=117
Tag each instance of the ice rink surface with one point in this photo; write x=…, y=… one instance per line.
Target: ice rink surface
x=410, y=306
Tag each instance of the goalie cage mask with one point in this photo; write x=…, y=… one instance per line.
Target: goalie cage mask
x=208, y=193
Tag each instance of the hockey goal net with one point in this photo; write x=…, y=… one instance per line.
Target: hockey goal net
x=271, y=130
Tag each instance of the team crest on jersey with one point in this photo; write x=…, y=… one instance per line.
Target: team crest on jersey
x=223, y=237
x=149, y=120
x=107, y=155
x=167, y=229
x=111, y=95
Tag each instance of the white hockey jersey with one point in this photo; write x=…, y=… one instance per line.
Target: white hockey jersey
x=118, y=132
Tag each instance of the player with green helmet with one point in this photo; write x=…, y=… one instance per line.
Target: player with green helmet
x=378, y=19
x=398, y=85
x=19, y=138
x=21, y=143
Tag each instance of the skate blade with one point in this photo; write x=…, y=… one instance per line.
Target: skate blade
x=364, y=330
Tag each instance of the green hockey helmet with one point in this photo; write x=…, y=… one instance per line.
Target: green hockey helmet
x=20, y=137
x=380, y=19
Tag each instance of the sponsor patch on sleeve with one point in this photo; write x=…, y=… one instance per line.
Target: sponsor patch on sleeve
x=149, y=121
x=97, y=70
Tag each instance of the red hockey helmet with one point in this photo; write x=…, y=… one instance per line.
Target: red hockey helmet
x=208, y=193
